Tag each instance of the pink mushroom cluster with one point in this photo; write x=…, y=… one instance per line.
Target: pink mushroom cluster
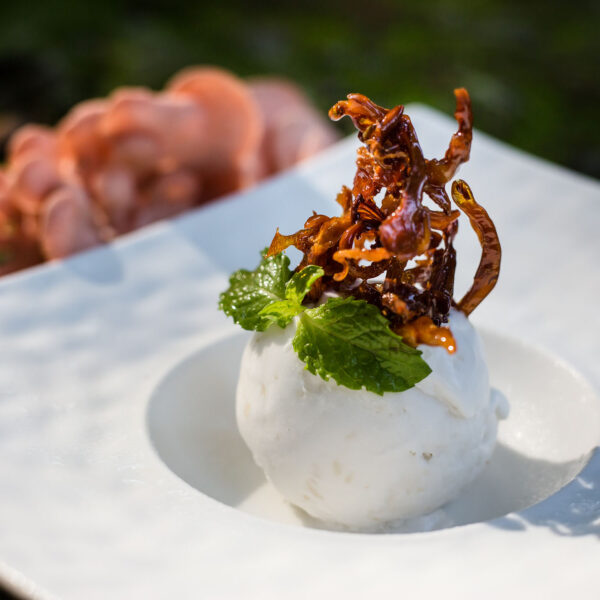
x=115, y=164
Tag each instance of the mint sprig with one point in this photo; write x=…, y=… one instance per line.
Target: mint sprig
x=283, y=311
x=345, y=339
x=251, y=291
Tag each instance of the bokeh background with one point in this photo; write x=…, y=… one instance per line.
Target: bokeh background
x=533, y=68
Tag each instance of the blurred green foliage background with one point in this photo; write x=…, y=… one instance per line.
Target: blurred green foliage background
x=533, y=68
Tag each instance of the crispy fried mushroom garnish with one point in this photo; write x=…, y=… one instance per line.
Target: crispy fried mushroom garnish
x=397, y=253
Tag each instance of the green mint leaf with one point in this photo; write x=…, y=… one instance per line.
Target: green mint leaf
x=297, y=287
x=351, y=341
x=282, y=312
x=251, y=291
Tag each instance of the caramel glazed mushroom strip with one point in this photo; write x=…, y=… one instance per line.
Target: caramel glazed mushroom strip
x=371, y=240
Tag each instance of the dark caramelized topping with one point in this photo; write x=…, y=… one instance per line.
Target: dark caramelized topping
x=399, y=242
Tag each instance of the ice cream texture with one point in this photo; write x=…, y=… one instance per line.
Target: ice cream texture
x=357, y=459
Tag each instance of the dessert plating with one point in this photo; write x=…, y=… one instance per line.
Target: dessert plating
x=364, y=393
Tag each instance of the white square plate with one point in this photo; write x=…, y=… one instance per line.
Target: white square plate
x=89, y=510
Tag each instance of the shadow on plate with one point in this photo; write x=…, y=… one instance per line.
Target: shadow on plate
x=572, y=511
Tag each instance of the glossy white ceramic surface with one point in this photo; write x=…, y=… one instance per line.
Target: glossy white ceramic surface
x=88, y=509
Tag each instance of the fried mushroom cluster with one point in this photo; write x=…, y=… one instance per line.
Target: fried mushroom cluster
x=388, y=247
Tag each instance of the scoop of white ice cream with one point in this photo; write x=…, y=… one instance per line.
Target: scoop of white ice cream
x=357, y=459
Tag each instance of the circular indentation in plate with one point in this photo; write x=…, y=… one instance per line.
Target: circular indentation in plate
x=552, y=428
